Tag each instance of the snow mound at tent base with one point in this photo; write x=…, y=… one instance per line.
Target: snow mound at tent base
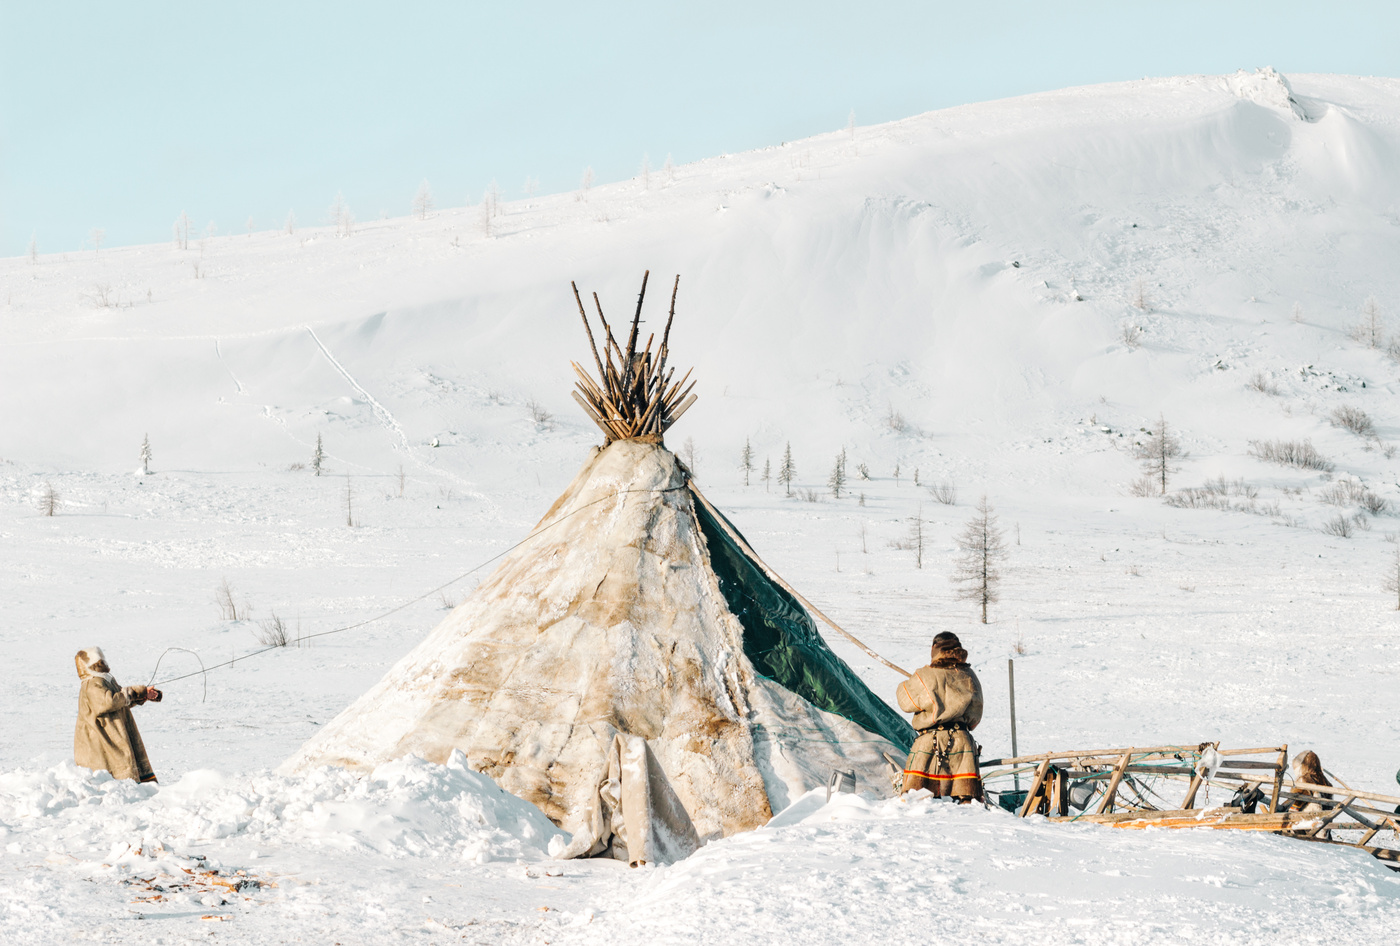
x=858, y=870
x=404, y=808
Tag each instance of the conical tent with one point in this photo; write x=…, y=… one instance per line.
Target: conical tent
x=629, y=637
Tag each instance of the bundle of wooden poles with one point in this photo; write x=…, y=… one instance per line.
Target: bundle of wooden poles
x=633, y=397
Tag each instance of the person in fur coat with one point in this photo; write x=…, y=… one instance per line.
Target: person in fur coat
x=106, y=736
x=946, y=700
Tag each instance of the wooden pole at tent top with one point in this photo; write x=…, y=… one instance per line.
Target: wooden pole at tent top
x=633, y=396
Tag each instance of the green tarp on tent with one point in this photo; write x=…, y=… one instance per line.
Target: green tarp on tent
x=781, y=640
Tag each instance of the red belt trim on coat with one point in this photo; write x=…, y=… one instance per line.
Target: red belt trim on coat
x=938, y=778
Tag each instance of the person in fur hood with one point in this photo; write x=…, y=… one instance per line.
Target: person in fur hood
x=946, y=700
x=106, y=736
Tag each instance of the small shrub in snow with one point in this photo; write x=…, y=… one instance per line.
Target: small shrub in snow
x=1140, y=297
x=272, y=632
x=1392, y=577
x=810, y=495
x=1298, y=453
x=1143, y=486
x=945, y=493
x=1260, y=382
x=1339, y=525
x=1131, y=335
x=1353, y=419
x=895, y=421
x=863, y=470
x=230, y=609
x=538, y=414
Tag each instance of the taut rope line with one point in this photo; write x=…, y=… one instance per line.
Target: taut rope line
x=690, y=485
x=441, y=587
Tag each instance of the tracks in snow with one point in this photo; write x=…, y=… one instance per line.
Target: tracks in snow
x=387, y=419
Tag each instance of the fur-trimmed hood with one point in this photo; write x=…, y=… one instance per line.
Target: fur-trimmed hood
x=952, y=657
x=87, y=661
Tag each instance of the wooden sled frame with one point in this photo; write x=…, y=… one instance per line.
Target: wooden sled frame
x=1330, y=811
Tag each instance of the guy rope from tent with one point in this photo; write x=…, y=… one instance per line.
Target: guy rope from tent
x=774, y=577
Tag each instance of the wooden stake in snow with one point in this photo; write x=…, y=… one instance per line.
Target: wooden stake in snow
x=633, y=397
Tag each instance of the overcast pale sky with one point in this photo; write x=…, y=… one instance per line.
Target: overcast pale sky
x=122, y=115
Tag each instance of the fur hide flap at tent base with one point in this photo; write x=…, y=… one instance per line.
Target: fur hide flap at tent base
x=636, y=671
x=631, y=668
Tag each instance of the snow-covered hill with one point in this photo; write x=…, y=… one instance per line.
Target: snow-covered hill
x=1000, y=297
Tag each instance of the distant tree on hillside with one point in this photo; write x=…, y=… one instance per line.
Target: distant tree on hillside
x=49, y=500
x=146, y=455
x=688, y=453
x=787, y=472
x=1157, y=454
x=585, y=183
x=1392, y=578
x=896, y=472
x=981, y=548
x=182, y=231
x=422, y=201
x=1370, y=331
x=837, y=480
x=97, y=235
x=291, y=225
x=33, y=251
x=915, y=539
x=746, y=461
x=767, y=474
x=318, y=458
x=339, y=214
x=645, y=173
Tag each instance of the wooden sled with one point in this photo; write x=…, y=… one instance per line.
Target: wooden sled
x=1098, y=783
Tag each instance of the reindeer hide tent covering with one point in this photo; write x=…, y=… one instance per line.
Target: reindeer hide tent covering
x=627, y=614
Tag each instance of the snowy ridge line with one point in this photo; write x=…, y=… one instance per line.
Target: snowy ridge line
x=413, y=601
x=387, y=419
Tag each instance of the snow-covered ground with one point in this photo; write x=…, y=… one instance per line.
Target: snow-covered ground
x=953, y=294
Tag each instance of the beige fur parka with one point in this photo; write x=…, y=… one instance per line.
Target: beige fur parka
x=106, y=736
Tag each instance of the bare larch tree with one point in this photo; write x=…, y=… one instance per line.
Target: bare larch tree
x=981, y=548
x=1157, y=454
x=787, y=472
